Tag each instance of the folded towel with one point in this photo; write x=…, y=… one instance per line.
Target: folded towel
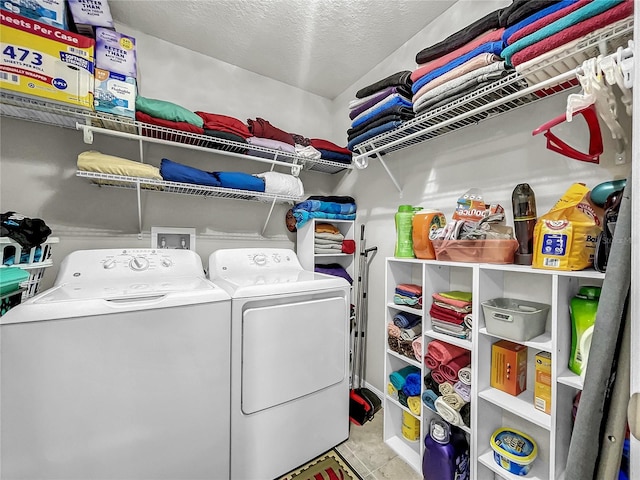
x=307, y=152
x=447, y=412
x=409, y=288
x=161, y=122
x=167, y=111
x=404, y=300
x=396, y=113
x=326, y=250
x=457, y=331
x=429, y=398
x=94, y=161
x=465, y=413
x=335, y=156
x=464, y=375
x=392, y=391
x=399, y=377
x=176, y=172
x=431, y=362
x=241, y=181
x=450, y=98
x=406, y=320
x=454, y=296
x=374, y=132
x=323, y=227
x=412, y=384
x=573, y=32
x=444, y=352
x=281, y=184
x=468, y=321
x=322, y=144
x=356, y=102
x=302, y=216
x=451, y=369
x=334, y=269
x=263, y=128
x=531, y=19
x=399, y=79
x=448, y=306
x=328, y=207
x=218, y=134
x=379, y=108
x=402, y=398
x=374, y=100
x=348, y=246
x=415, y=404
x=326, y=242
x=437, y=375
x=393, y=330
x=337, y=237
x=224, y=123
x=405, y=293
x=416, y=344
x=521, y=9
x=446, y=315
x=413, y=334
x=454, y=400
x=445, y=388
x=463, y=390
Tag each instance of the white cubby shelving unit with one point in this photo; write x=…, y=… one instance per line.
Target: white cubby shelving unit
x=492, y=408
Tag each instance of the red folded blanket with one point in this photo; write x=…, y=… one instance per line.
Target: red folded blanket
x=184, y=126
x=446, y=315
x=263, y=129
x=578, y=30
x=224, y=123
x=327, y=145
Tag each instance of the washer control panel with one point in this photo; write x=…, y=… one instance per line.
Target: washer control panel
x=239, y=261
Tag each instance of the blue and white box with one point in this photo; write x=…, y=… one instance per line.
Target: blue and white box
x=90, y=14
x=51, y=12
x=114, y=93
x=116, y=52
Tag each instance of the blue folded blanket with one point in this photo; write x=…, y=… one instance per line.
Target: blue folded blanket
x=373, y=132
x=399, y=377
x=303, y=216
x=334, y=156
x=176, y=172
x=327, y=207
x=381, y=107
x=590, y=10
x=241, y=181
x=412, y=385
x=406, y=319
x=489, y=47
x=535, y=17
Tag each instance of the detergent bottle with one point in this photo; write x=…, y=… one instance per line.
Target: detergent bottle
x=404, y=222
x=583, y=308
x=446, y=453
x=426, y=224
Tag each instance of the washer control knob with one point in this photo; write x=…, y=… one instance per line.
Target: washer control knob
x=276, y=258
x=109, y=263
x=260, y=259
x=139, y=263
x=166, y=262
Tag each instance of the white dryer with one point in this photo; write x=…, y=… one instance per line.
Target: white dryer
x=289, y=360
x=120, y=371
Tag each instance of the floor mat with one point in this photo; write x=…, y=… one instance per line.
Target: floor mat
x=329, y=465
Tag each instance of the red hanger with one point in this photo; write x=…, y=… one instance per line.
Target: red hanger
x=595, y=140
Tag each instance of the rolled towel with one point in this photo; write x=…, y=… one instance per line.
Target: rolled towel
x=406, y=347
x=463, y=390
x=444, y=352
x=392, y=391
x=411, y=334
x=399, y=377
x=430, y=383
x=447, y=412
x=406, y=320
x=415, y=404
x=465, y=413
x=428, y=398
x=431, y=362
x=468, y=321
x=394, y=330
x=402, y=398
x=417, y=348
x=437, y=375
x=393, y=343
x=464, y=375
x=446, y=388
x=412, y=384
x=451, y=369
x=454, y=400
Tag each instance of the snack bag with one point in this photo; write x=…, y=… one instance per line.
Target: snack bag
x=565, y=237
x=470, y=206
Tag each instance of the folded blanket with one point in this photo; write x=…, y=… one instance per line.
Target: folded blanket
x=327, y=207
x=448, y=306
x=325, y=250
x=321, y=144
x=404, y=300
x=241, y=181
x=429, y=398
x=167, y=111
x=490, y=47
x=281, y=184
x=392, y=391
x=487, y=23
x=262, y=128
x=405, y=293
x=327, y=242
x=521, y=9
x=449, y=329
x=224, y=123
x=393, y=330
x=573, y=32
x=335, y=156
x=225, y=136
x=463, y=390
x=406, y=319
x=399, y=377
x=332, y=198
x=323, y=227
x=446, y=315
x=464, y=375
x=416, y=340
x=546, y=15
x=590, y=10
x=348, y=246
x=94, y=161
x=375, y=99
x=447, y=412
x=410, y=288
x=393, y=114
x=373, y=133
x=271, y=143
x=475, y=63
x=444, y=352
x=399, y=79
x=336, y=247
x=337, y=237
x=307, y=152
x=161, y=122
x=454, y=297
x=334, y=269
x=414, y=404
x=450, y=370
x=431, y=362
x=381, y=107
x=450, y=98
x=176, y=172
x=302, y=216
x=412, y=384
x=490, y=36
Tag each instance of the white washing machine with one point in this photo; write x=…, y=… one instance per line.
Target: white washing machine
x=289, y=360
x=120, y=371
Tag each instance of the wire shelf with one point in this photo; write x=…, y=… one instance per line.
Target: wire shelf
x=512, y=92
x=120, y=181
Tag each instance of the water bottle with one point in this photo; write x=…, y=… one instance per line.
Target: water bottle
x=524, y=220
x=404, y=223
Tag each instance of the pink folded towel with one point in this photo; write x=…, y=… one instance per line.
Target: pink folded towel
x=451, y=369
x=491, y=36
x=410, y=287
x=431, y=362
x=437, y=376
x=623, y=10
x=452, y=301
x=444, y=352
x=417, y=348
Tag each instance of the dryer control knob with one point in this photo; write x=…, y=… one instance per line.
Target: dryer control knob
x=110, y=263
x=166, y=262
x=139, y=263
x=260, y=259
x=276, y=258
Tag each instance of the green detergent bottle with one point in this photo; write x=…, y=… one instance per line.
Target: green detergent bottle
x=404, y=238
x=583, y=308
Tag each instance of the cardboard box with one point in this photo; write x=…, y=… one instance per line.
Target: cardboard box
x=87, y=15
x=509, y=367
x=116, y=52
x=542, y=386
x=114, y=93
x=49, y=12
x=45, y=61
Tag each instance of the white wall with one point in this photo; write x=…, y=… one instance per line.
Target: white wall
x=494, y=156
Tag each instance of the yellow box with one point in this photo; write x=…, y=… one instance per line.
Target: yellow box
x=509, y=367
x=542, y=387
x=44, y=61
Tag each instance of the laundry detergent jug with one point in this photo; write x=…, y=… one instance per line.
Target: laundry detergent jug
x=446, y=453
x=426, y=224
x=404, y=225
x=583, y=308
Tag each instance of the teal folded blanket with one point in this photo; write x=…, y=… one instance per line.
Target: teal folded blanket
x=303, y=216
x=167, y=111
x=590, y=10
x=399, y=377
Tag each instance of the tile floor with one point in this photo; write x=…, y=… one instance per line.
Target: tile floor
x=367, y=453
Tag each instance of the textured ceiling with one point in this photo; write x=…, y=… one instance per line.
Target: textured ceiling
x=321, y=46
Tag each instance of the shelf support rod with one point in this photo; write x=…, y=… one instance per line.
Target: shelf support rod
x=393, y=179
x=273, y=204
x=139, y=210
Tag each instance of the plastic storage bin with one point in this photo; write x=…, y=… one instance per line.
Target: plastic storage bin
x=476, y=251
x=34, y=261
x=513, y=319
x=10, y=291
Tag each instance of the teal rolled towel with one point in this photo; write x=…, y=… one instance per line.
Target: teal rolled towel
x=399, y=377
